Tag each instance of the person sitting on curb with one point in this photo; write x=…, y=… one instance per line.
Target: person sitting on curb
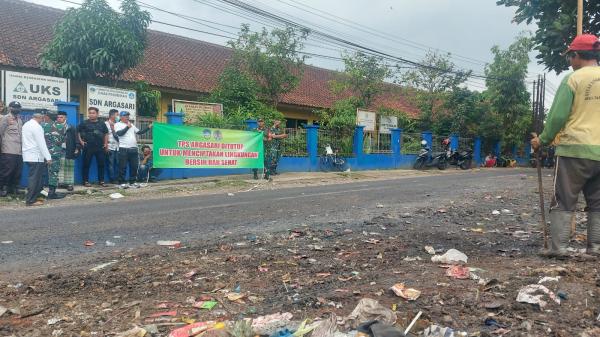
x=146, y=171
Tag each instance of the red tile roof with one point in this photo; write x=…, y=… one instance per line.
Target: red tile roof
x=170, y=61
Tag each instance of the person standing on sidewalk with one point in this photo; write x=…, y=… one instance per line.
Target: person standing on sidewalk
x=573, y=124
x=112, y=157
x=263, y=129
x=54, y=133
x=35, y=152
x=11, y=160
x=72, y=149
x=93, y=137
x=128, y=149
x=277, y=135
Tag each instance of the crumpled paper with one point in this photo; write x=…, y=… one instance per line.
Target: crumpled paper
x=438, y=331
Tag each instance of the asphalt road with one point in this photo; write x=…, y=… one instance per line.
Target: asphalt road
x=52, y=236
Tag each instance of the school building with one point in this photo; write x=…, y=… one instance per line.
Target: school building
x=180, y=67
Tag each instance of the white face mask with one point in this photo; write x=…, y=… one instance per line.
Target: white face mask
x=117, y=119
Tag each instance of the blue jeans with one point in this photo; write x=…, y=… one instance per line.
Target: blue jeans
x=112, y=161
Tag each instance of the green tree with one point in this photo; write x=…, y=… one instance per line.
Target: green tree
x=148, y=99
x=507, y=91
x=341, y=117
x=363, y=76
x=405, y=122
x=436, y=78
x=96, y=41
x=556, y=22
x=238, y=93
x=271, y=59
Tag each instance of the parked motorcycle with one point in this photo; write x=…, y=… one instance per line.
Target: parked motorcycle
x=462, y=159
x=428, y=159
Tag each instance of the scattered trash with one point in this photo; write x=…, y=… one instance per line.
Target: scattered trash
x=89, y=243
x=7, y=242
x=526, y=295
x=270, y=324
x=593, y=332
x=549, y=279
x=451, y=256
x=135, y=332
x=430, y=250
x=173, y=244
x=379, y=206
x=368, y=310
x=458, y=272
x=102, y=266
x=562, y=295
x=195, y=329
x=409, y=294
x=110, y=244
x=411, y=259
x=208, y=305
x=493, y=305
x=115, y=196
x=438, y=331
x=506, y=211
x=53, y=321
x=377, y=329
x=326, y=328
x=495, y=212
x=230, y=194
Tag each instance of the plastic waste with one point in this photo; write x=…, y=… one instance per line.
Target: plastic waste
x=104, y=265
x=269, y=324
x=377, y=329
x=135, y=332
x=326, y=328
x=406, y=293
x=527, y=294
x=368, y=310
x=115, y=196
x=459, y=272
x=438, y=331
x=451, y=256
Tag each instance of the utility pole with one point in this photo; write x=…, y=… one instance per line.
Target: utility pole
x=579, y=17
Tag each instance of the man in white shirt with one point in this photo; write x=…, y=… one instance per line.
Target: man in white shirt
x=113, y=146
x=35, y=152
x=128, y=149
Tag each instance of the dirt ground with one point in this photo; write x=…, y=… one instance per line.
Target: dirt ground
x=313, y=272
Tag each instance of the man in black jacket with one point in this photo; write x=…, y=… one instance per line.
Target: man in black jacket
x=93, y=137
x=66, y=176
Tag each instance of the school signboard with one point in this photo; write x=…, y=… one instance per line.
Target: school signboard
x=366, y=119
x=107, y=98
x=178, y=146
x=34, y=91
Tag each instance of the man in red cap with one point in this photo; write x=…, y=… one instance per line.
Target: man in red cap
x=573, y=123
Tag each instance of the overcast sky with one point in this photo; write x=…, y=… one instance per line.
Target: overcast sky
x=403, y=28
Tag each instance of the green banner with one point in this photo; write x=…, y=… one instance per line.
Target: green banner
x=177, y=146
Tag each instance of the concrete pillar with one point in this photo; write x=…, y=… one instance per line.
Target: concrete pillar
x=71, y=108
x=428, y=137
x=477, y=151
x=175, y=118
x=251, y=124
x=312, y=141
x=359, y=138
x=498, y=148
x=454, y=141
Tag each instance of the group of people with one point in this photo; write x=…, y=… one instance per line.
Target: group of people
x=48, y=145
x=272, y=138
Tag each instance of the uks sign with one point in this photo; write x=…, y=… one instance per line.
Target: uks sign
x=34, y=91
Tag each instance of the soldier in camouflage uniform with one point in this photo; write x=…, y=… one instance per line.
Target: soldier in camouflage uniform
x=54, y=133
x=276, y=135
x=262, y=128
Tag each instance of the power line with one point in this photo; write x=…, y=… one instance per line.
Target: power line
x=375, y=32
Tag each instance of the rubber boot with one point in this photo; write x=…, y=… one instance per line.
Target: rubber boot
x=560, y=232
x=52, y=193
x=4, y=191
x=593, y=233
